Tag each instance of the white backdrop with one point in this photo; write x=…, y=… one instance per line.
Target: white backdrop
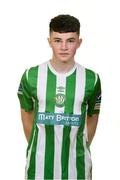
x=23, y=43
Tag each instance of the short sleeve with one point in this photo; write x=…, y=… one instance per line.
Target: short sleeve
x=24, y=94
x=95, y=98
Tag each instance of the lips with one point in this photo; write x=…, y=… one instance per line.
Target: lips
x=64, y=54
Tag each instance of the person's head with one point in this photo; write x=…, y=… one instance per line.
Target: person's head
x=64, y=39
x=64, y=24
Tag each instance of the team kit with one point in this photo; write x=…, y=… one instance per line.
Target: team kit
x=58, y=147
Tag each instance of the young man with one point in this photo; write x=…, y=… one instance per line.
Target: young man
x=60, y=103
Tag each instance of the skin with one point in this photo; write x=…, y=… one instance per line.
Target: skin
x=64, y=47
x=27, y=121
x=91, y=126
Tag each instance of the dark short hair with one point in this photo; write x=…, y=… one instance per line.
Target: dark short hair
x=64, y=23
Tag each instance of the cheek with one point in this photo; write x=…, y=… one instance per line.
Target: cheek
x=73, y=49
x=55, y=49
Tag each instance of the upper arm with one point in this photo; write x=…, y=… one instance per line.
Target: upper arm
x=94, y=100
x=24, y=94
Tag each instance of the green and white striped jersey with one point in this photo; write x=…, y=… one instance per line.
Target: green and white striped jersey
x=58, y=146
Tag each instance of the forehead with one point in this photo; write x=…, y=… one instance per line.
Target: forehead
x=67, y=35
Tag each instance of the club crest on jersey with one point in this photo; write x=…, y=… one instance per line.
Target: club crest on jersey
x=60, y=100
x=60, y=96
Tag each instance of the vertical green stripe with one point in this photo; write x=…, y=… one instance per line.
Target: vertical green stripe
x=32, y=165
x=69, y=103
x=32, y=78
x=70, y=93
x=49, y=153
x=49, y=148
x=51, y=91
x=80, y=163
x=91, y=83
x=90, y=80
x=65, y=151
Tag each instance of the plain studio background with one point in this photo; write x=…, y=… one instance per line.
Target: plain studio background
x=23, y=43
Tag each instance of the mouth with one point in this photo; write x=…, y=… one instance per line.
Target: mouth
x=63, y=54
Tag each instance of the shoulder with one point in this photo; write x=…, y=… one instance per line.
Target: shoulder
x=90, y=75
x=33, y=71
x=91, y=72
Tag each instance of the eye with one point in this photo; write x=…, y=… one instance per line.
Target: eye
x=71, y=40
x=57, y=40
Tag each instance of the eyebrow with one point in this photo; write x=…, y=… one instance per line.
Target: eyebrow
x=61, y=38
x=56, y=38
x=71, y=38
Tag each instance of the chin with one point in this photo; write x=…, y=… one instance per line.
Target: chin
x=64, y=60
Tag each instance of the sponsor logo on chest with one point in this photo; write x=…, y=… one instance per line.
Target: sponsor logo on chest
x=58, y=119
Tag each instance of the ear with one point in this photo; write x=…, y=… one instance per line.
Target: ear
x=79, y=43
x=49, y=41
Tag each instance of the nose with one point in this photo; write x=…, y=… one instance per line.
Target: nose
x=64, y=46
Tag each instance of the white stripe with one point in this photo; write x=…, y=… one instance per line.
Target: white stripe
x=87, y=157
x=61, y=82
x=88, y=162
x=96, y=78
x=79, y=95
x=41, y=86
x=80, y=89
x=27, y=74
x=41, y=93
x=40, y=153
x=58, y=131
x=72, y=153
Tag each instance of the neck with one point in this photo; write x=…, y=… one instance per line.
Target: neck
x=61, y=66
